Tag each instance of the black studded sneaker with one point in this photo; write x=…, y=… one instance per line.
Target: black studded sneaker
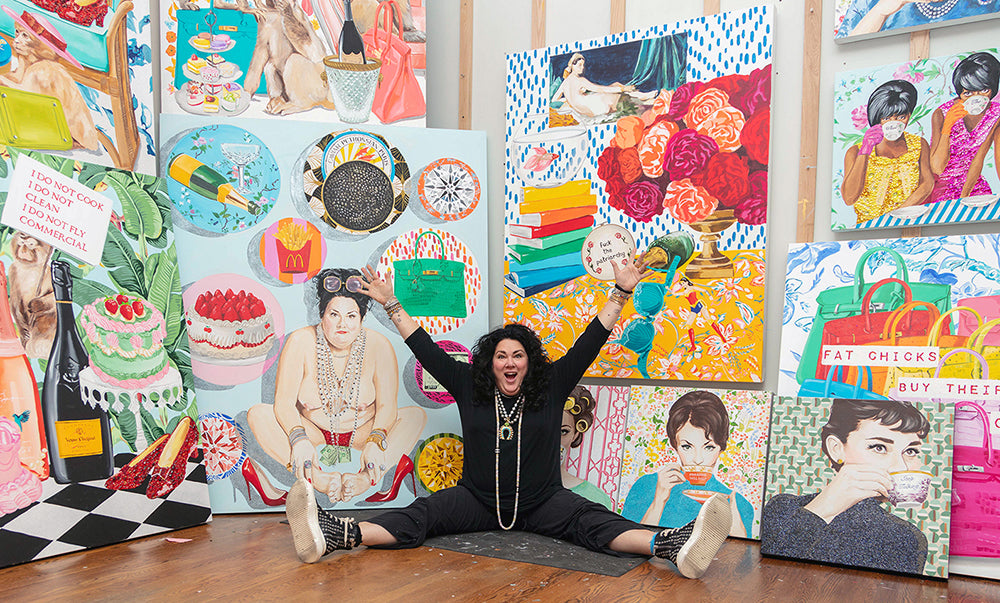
x=314, y=531
x=692, y=547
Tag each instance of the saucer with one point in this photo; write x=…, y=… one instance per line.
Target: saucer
x=979, y=200
x=699, y=495
x=909, y=213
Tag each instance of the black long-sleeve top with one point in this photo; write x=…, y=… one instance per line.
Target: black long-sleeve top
x=540, y=476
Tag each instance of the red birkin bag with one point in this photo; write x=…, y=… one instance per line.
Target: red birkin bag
x=398, y=95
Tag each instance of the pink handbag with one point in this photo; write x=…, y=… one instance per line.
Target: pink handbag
x=398, y=95
x=975, y=514
x=988, y=307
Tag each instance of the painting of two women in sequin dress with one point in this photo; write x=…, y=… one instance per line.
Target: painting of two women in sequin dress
x=916, y=143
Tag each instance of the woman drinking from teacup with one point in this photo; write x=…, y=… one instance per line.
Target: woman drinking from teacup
x=698, y=430
x=874, y=446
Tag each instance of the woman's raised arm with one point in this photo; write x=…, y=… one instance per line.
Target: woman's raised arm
x=380, y=290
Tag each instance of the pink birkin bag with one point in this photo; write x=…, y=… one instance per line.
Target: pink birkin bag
x=988, y=307
x=398, y=95
x=975, y=517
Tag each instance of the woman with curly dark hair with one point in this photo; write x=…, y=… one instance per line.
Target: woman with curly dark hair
x=510, y=401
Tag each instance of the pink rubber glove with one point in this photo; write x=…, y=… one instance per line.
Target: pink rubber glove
x=872, y=137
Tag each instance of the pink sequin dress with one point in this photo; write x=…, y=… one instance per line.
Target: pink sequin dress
x=964, y=146
x=18, y=486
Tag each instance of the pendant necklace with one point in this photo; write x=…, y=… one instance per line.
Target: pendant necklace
x=339, y=394
x=509, y=421
x=506, y=431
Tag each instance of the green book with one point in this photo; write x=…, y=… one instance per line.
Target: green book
x=524, y=255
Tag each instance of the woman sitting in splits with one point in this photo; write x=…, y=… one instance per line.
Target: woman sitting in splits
x=510, y=400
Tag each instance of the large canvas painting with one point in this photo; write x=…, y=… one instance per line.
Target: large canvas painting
x=276, y=220
x=653, y=141
x=593, y=431
x=259, y=58
x=862, y=19
x=77, y=80
x=878, y=318
x=860, y=483
x=914, y=143
x=99, y=424
x=684, y=445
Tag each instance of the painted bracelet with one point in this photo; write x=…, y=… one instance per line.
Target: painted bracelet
x=296, y=435
x=378, y=436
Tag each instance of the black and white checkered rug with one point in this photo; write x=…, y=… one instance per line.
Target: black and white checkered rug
x=73, y=517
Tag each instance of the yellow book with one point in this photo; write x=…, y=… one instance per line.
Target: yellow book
x=534, y=207
x=571, y=188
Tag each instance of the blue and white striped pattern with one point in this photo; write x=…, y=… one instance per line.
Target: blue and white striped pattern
x=943, y=212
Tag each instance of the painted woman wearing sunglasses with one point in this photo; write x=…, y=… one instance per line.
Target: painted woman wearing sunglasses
x=335, y=396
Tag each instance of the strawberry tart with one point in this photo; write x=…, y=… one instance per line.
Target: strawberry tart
x=230, y=326
x=125, y=340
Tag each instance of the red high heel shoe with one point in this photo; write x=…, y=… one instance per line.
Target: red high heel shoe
x=403, y=468
x=271, y=496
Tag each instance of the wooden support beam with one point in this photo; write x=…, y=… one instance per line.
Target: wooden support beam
x=465, y=65
x=617, y=16
x=920, y=48
x=809, y=131
x=537, y=23
x=712, y=7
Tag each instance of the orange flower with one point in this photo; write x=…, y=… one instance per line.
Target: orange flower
x=703, y=105
x=661, y=105
x=653, y=147
x=688, y=202
x=629, y=166
x=724, y=127
x=629, y=132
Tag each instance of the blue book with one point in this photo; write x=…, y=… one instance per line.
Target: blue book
x=530, y=278
x=529, y=291
x=567, y=259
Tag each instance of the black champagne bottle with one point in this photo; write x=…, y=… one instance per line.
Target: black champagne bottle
x=352, y=48
x=78, y=434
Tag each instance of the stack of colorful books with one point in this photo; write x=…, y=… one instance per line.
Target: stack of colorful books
x=545, y=242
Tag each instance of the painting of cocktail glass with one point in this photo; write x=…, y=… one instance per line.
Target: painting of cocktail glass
x=683, y=446
x=860, y=483
x=862, y=19
x=915, y=143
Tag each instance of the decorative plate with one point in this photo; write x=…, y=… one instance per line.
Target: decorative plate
x=449, y=189
x=606, y=244
x=439, y=461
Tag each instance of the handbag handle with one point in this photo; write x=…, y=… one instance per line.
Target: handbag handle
x=977, y=340
x=859, y=270
x=889, y=330
x=866, y=303
x=857, y=385
x=939, y=325
x=987, y=436
x=387, y=16
x=985, y=366
x=416, y=244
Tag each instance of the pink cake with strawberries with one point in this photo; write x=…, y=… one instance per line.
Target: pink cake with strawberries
x=230, y=326
x=125, y=341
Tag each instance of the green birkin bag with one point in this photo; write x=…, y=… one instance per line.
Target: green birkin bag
x=430, y=286
x=840, y=302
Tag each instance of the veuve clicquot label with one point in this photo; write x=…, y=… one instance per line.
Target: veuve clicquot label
x=79, y=438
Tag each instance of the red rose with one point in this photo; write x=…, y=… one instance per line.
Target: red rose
x=682, y=98
x=687, y=153
x=607, y=163
x=726, y=177
x=733, y=85
x=629, y=165
x=756, y=94
x=755, y=136
x=752, y=211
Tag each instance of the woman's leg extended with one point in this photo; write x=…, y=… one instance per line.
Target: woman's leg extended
x=450, y=511
x=569, y=516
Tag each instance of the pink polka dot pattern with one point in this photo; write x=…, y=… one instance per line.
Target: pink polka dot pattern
x=454, y=249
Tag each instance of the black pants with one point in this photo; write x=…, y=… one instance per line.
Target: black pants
x=565, y=515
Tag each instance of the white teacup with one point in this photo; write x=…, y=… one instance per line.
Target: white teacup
x=909, y=488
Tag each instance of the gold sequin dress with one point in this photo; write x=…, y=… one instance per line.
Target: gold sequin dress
x=889, y=181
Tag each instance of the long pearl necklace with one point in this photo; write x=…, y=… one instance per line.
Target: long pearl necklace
x=510, y=420
x=339, y=394
x=935, y=12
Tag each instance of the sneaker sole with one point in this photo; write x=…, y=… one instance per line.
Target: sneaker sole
x=303, y=517
x=710, y=530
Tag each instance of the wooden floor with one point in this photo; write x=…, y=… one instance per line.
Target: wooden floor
x=250, y=557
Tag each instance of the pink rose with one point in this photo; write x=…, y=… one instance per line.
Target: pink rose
x=703, y=105
x=724, y=127
x=687, y=153
x=859, y=117
x=642, y=201
x=681, y=98
x=687, y=202
x=654, y=146
x=752, y=211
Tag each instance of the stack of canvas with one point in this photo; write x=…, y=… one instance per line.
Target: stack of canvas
x=545, y=242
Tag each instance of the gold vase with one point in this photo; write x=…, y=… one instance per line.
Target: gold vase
x=710, y=263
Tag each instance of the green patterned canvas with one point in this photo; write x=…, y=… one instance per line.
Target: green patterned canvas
x=797, y=466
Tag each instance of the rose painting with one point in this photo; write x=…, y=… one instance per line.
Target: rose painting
x=681, y=165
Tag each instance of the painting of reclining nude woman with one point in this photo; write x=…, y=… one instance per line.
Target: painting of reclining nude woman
x=915, y=143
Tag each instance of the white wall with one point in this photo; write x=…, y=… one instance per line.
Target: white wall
x=503, y=26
